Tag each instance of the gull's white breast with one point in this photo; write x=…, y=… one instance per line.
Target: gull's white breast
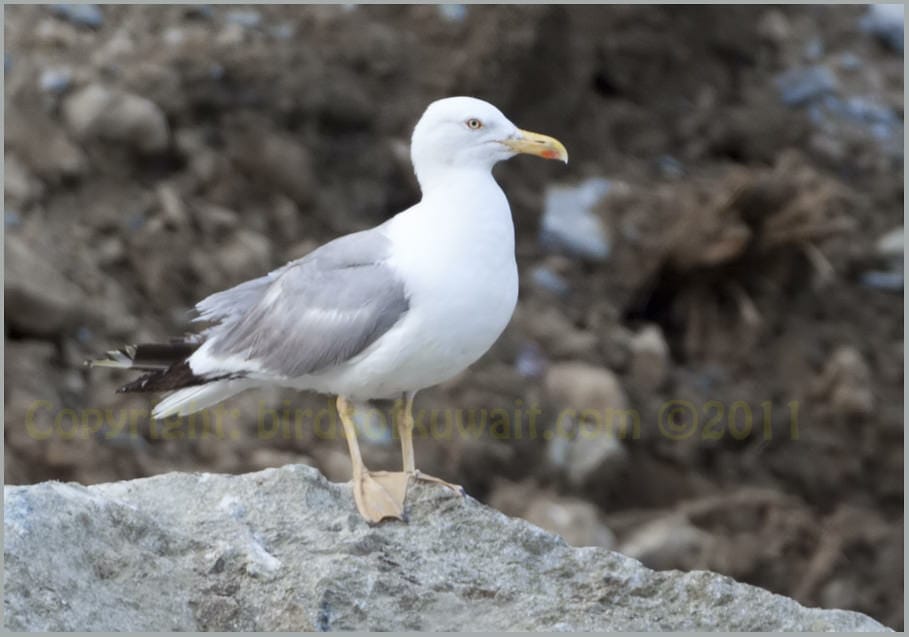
x=455, y=253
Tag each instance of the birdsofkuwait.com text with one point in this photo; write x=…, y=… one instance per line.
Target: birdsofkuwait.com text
x=674, y=419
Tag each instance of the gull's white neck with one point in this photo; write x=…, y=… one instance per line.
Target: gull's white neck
x=439, y=180
x=462, y=216
x=469, y=201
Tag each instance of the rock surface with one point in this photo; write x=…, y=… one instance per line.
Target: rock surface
x=40, y=299
x=96, y=111
x=283, y=549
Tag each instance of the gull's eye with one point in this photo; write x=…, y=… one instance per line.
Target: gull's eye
x=474, y=124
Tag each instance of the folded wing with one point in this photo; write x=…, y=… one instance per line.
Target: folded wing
x=310, y=315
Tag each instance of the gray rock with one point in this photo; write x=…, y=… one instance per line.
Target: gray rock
x=283, y=31
x=813, y=50
x=587, y=454
x=453, y=12
x=545, y=278
x=99, y=112
x=887, y=23
x=83, y=15
x=43, y=146
x=570, y=223
x=671, y=167
x=593, y=419
x=849, y=61
x=248, y=18
x=283, y=549
x=55, y=81
x=774, y=26
x=882, y=280
x=20, y=186
x=583, y=387
x=889, y=249
x=274, y=159
x=576, y=521
x=39, y=300
x=244, y=254
x=859, y=116
x=530, y=361
x=847, y=382
x=669, y=542
x=892, y=244
x=864, y=110
x=649, y=365
x=801, y=86
x=555, y=332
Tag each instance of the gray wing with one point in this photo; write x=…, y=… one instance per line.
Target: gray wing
x=311, y=314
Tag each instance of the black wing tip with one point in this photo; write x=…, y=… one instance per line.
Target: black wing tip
x=177, y=376
x=147, y=357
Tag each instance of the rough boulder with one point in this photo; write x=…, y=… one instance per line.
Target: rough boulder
x=284, y=549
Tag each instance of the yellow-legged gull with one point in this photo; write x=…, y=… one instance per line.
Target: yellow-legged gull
x=380, y=313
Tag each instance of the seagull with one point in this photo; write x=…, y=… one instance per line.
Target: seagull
x=376, y=314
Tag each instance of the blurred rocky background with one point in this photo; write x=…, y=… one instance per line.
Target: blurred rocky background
x=728, y=234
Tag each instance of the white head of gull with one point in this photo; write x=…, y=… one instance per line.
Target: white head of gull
x=464, y=133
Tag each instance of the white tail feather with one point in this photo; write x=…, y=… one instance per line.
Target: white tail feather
x=192, y=399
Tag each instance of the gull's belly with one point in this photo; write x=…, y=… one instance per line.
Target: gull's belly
x=457, y=327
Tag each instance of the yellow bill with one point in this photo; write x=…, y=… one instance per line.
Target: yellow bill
x=536, y=144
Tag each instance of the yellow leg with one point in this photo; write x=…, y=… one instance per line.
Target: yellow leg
x=378, y=494
x=404, y=421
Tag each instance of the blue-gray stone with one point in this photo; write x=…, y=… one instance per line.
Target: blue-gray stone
x=886, y=23
x=453, y=12
x=570, y=223
x=135, y=222
x=543, y=277
x=55, y=81
x=863, y=115
x=880, y=280
x=892, y=245
x=530, y=361
x=670, y=166
x=86, y=15
x=249, y=18
x=868, y=110
x=814, y=50
x=801, y=86
x=849, y=61
x=283, y=31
